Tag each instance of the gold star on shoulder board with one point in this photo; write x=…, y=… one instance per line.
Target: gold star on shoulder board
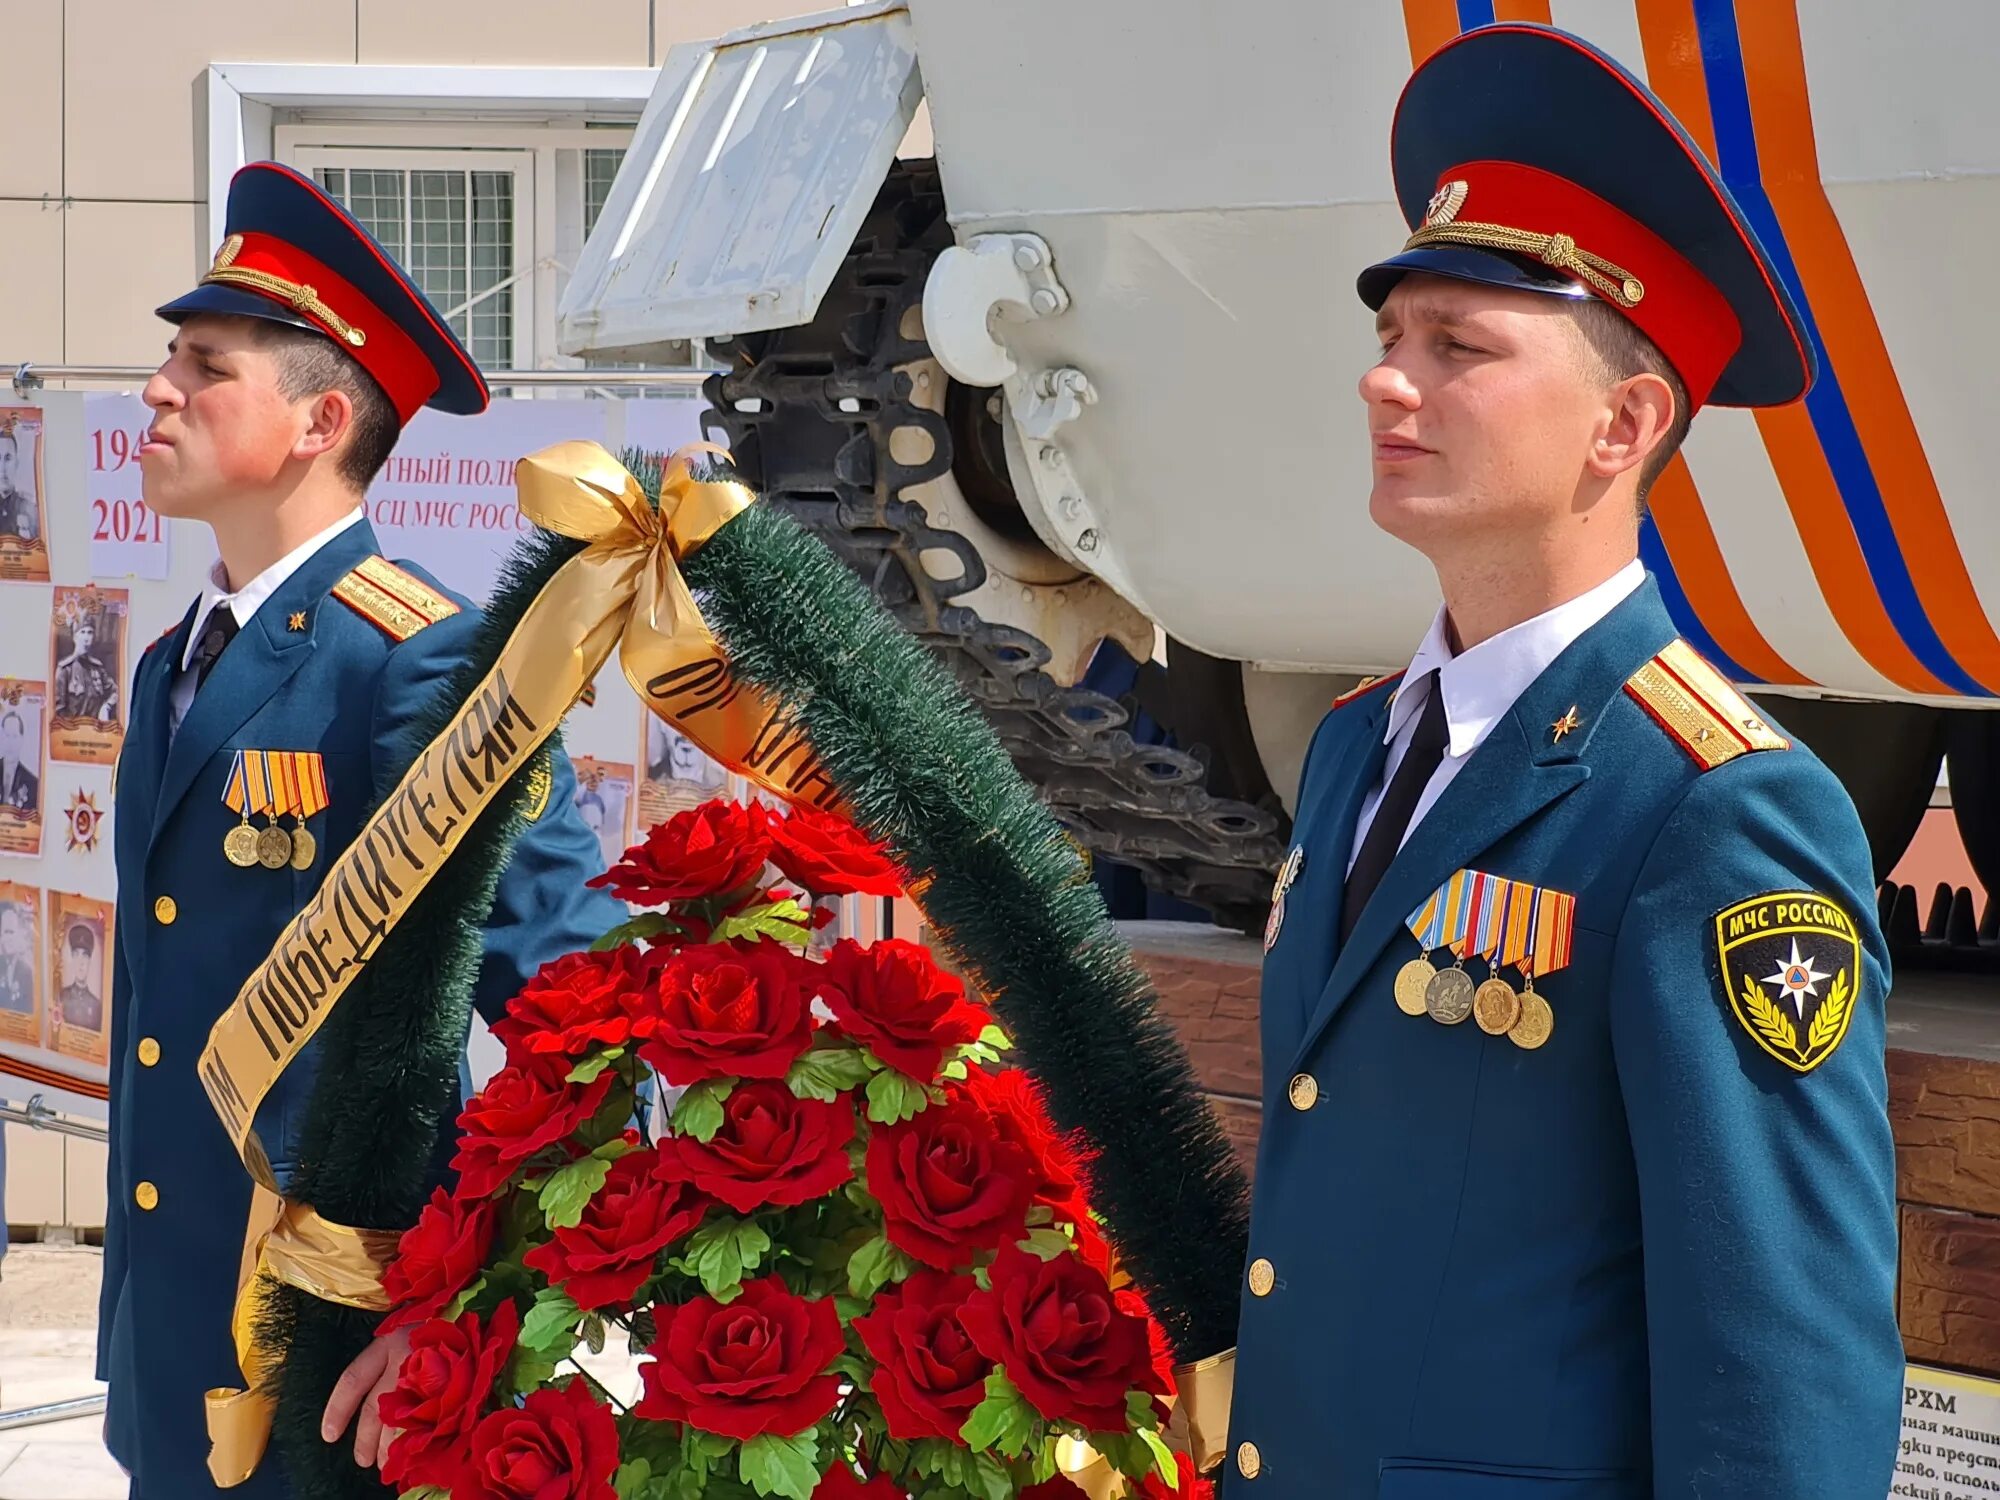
x=1566, y=723
x=297, y=621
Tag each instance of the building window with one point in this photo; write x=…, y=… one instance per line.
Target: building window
x=600, y=169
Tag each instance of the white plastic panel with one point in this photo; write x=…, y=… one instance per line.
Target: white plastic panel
x=748, y=178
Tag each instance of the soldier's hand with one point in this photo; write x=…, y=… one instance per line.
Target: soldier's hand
x=372, y=1373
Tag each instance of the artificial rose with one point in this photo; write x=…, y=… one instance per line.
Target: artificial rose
x=577, y=1004
x=561, y=1445
x=773, y=1150
x=893, y=999
x=727, y=1010
x=524, y=1108
x=928, y=1376
x=949, y=1185
x=1014, y=1105
x=710, y=850
x=1068, y=1346
x=441, y=1390
x=437, y=1256
x=829, y=856
x=841, y=1483
x=755, y=1366
x=603, y=1259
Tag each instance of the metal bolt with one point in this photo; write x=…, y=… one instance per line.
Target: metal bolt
x=1045, y=301
x=1071, y=507
x=1027, y=257
x=1051, y=456
x=1088, y=541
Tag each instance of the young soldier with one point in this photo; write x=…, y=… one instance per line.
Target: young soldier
x=1576, y=1178
x=282, y=697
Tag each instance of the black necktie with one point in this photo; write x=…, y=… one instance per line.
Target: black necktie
x=217, y=631
x=1393, y=812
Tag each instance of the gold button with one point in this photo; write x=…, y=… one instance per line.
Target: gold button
x=1304, y=1091
x=146, y=1196
x=149, y=1052
x=164, y=911
x=1249, y=1462
x=1263, y=1276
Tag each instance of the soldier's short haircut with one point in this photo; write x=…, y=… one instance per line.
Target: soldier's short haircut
x=309, y=363
x=10, y=717
x=1624, y=352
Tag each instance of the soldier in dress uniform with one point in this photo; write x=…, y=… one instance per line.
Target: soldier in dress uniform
x=20, y=788
x=291, y=369
x=85, y=687
x=80, y=1002
x=18, y=516
x=1576, y=1178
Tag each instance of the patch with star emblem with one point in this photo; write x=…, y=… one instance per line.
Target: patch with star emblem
x=1791, y=965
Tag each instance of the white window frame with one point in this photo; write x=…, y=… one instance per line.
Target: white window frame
x=522, y=165
x=252, y=109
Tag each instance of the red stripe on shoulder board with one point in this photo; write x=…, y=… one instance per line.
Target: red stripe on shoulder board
x=1365, y=686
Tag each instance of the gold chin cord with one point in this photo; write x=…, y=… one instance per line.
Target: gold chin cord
x=1614, y=283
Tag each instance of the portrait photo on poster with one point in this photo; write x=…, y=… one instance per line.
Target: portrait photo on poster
x=21, y=719
x=678, y=774
x=20, y=964
x=604, y=798
x=24, y=532
x=87, y=672
x=79, y=950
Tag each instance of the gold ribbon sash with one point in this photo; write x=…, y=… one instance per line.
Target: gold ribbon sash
x=623, y=590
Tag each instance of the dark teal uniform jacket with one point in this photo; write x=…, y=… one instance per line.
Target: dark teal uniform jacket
x=1649, y=1259
x=191, y=926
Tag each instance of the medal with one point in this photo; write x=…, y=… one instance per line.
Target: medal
x=1448, y=997
x=1537, y=940
x=1411, y=981
x=305, y=848
x=302, y=775
x=1287, y=873
x=1536, y=1025
x=274, y=847
x=1495, y=1006
x=239, y=845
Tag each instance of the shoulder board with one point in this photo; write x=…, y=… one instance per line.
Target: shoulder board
x=1364, y=686
x=396, y=602
x=1704, y=715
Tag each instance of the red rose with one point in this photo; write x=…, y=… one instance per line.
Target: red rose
x=755, y=1366
x=437, y=1256
x=773, y=1151
x=561, y=1445
x=709, y=850
x=949, y=1185
x=829, y=856
x=1014, y=1105
x=524, y=1108
x=1065, y=1342
x=893, y=999
x=929, y=1376
x=441, y=1390
x=727, y=1010
x=577, y=1004
x=635, y=1215
x=841, y=1483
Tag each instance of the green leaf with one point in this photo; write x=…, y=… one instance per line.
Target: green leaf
x=874, y=1265
x=699, y=1111
x=587, y=1070
x=426, y=1492
x=1003, y=1421
x=993, y=1036
x=646, y=925
x=551, y=1323
x=614, y=1148
x=987, y=1477
x=893, y=1098
x=722, y=1251
x=463, y=1300
x=828, y=1073
x=526, y=1370
x=955, y=1071
x=1045, y=1244
x=1124, y=1451
x=1141, y=1410
x=786, y=921
x=569, y=1188
x=593, y=1333
x=633, y=1479
x=1164, y=1458
x=773, y=1465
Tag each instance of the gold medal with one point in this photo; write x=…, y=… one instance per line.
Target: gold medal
x=274, y=848
x=305, y=848
x=1411, y=981
x=1536, y=1025
x=1448, y=996
x=239, y=846
x=1496, y=1007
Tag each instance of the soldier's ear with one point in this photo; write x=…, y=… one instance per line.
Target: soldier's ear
x=329, y=418
x=1638, y=417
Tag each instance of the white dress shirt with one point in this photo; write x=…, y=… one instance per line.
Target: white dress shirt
x=243, y=604
x=1480, y=685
